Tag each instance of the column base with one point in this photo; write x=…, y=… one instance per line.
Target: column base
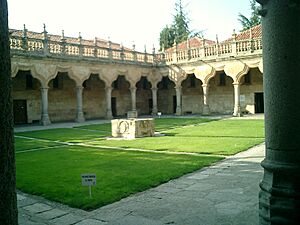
x=80, y=118
x=154, y=111
x=45, y=120
x=237, y=112
x=178, y=111
x=206, y=110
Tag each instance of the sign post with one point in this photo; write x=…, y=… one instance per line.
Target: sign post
x=88, y=180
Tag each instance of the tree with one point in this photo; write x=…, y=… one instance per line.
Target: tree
x=181, y=23
x=167, y=36
x=178, y=31
x=8, y=201
x=254, y=19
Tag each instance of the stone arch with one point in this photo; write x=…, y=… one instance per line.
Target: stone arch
x=221, y=93
x=236, y=70
x=144, y=99
x=62, y=86
x=165, y=95
x=204, y=73
x=16, y=67
x=192, y=95
x=79, y=74
x=94, y=97
x=26, y=95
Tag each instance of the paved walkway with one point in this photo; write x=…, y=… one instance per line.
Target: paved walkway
x=223, y=194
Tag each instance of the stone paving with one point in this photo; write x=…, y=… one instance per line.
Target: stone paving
x=223, y=194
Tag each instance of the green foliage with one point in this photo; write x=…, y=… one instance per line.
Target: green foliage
x=254, y=19
x=178, y=31
x=167, y=36
x=181, y=23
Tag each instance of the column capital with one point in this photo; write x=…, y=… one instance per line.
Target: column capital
x=108, y=88
x=132, y=89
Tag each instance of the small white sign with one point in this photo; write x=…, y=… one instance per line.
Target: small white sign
x=88, y=179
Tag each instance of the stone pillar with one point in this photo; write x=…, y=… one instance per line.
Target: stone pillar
x=154, y=100
x=108, y=91
x=133, y=98
x=279, y=201
x=45, y=120
x=206, y=110
x=178, y=100
x=79, y=111
x=237, y=106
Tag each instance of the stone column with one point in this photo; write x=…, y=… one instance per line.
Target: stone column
x=206, y=110
x=154, y=101
x=45, y=120
x=178, y=100
x=279, y=201
x=133, y=98
x=108, y=91
x=79, y=111
x=237, y=106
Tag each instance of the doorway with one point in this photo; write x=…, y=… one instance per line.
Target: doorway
x=150, y=105
x=114, y=106
x=259, y=102
x=20, y=111
x=174, y=103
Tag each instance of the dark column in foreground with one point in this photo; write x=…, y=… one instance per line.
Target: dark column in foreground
x=8, y=201
x=279, y=198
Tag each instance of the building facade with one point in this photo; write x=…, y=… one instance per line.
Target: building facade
x=58, y=78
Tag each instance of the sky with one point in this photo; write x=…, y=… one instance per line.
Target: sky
x=128, y=22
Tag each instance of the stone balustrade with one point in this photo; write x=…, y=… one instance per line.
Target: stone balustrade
x=219, y=50
x=44, y=46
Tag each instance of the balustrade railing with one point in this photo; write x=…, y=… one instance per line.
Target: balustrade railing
x=45, y=46
x=218, y=50
x=62, y=48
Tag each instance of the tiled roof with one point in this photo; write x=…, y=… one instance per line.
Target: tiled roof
x=100, y=42
x=256, y=32
x=193, y=43
x=196, y=42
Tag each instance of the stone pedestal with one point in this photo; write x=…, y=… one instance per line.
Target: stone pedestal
x=132, y=128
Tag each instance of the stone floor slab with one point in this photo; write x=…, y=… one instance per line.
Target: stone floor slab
x=51, y=214
x=67, y=219
x=38, y=208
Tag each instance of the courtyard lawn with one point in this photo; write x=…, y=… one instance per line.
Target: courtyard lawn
x=71, y=135
x=56, y=173
x=23, y=144
x=223, y=137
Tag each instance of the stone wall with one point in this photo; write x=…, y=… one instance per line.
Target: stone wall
x=220, y=97
x=248, y=91
x=192, y=96
x=94, y=98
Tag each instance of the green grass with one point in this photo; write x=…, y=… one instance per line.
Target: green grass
x=104, y=127
x=65, y=135
x=224, y=137
x=23, y=144
x=162, y=124
x=55, y=174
